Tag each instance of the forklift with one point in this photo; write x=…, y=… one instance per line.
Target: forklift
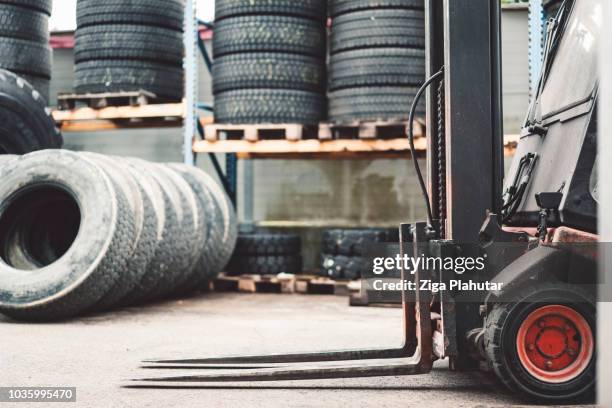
x=536, y=227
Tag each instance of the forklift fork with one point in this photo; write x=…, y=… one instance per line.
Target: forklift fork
x=413, y=357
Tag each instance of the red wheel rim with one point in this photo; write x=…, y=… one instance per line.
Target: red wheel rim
x=555, y=344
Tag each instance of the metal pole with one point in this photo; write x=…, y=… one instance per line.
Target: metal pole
x=190, y=65
x=536, y=43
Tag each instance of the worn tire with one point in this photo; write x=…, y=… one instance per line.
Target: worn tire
x=356, y=242
x=265, y=265
x=500, y=338
x=269, y=106
x=129, y=41
x=378, y=28
x=373, y=103
x=344, y=267
x=268, y=70
x=313, y=9
x=25, y=57
x=269, y=34
x=124, y=75
x=337, y=7
x=268, y=244
x=74, y=282
x=26, y=124
x=377, y=67
x=24, y=23
x=162, y=13
x=42, y=85
x=44, y=6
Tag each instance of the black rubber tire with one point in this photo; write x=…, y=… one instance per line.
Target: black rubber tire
x=26, y=124
x=145, y=224
x=162, y=13
x=24, y=23
x=44, y=6
x=377, y=66
x=356, y=242
x=313, y=9
x=129, y=41
x=337, y=7
x=74, y=283
x=264, y=265
x=124, y=75
x=378, y=28
x=268, y=244
x=344, y=267
x=42, y=85
x=269, y=34
x=373, y=103
x=268, y=70
x=501, y=327
x=25, y=57
x=269, y=106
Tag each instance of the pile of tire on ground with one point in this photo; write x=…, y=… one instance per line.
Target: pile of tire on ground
x=130, y=46
x=82, y=232
x=269, y=61
x=345, y=251
x=266, y=254
x=24, y=41
x=377, y=59
x=27, y=124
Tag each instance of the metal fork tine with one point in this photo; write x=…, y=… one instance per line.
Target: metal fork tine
x=406, y=366
x=345, y=355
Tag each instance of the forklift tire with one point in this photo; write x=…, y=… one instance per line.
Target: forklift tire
x=269, y=106
x=269, y=34
x=27, y=125
x=98, y=76
x=43, y=6
x=24, y=23
x=373, y=103
x=313, y=9
x=268, y=244
x=344, y=267
x=268, y=70
x=129, y=41
x=264, y=265
x=338, y=7
x=25, y=57
x=355, y=242
x=378, y=28
x=377, y=66
x=161, y=13
x=82, y=264
x=541, y=342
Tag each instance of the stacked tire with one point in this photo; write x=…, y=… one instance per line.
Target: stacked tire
x=345, y=252
x=377, y=61
x=27, y=124
x=269, y=61
x=24, y=41
x=82, y=232
x=266, y=254
x=130, y=46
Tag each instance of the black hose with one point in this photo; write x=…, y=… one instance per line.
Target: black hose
x=411, y=142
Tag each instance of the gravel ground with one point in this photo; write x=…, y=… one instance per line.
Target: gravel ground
x=98, y=354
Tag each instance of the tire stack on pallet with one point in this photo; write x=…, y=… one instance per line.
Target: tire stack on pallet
x=82, y=232
x=345, y=251
x=134, y=45
x=269, y=61
x=24, y=41
x=377, y=61
x=266, y=254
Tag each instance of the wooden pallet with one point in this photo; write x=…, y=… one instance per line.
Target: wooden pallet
x=316, y=285
x=384, y=130
x=103, y=100
x=255, y=284
x=254, y=133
